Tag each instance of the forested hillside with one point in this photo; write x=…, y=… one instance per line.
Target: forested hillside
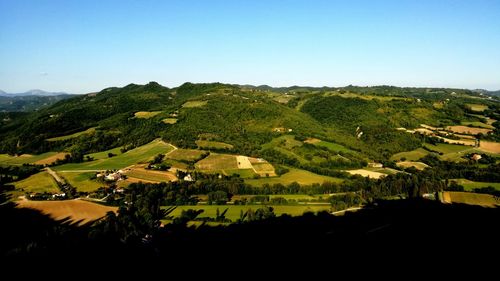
x=245, y=117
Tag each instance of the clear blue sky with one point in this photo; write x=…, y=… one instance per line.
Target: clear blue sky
x=85, y=46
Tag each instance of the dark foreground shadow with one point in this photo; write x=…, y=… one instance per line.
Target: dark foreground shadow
x=399, y=229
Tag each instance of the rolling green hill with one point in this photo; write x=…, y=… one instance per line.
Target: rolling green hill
x=245, y=117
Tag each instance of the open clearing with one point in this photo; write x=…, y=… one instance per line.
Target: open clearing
x=189, y=155
x=169, y=120
x=263, y=169
x=478, y=124
x=213, y=145
x=243, y=173
x=24, y=159
x=72, y=136
x=104, y=154
x=477, y=107
x=216, y=162
x=243, y=162
x=468, y=130
x=312, y=141
x=82, y=181
x=287, y=142
x=78, y=211
x=138, y=172
x=416, y=165
x=485, y=200
x=233, y=212
x=467, y=142
x=366, y=173
x=52, y=159
x=413, y=155
x=146, y=114
x=488, y=146
x=294, y=175
x=470, y=185
x=140, y=154
x=41, y=182
x=447, y=148
x=335, y=147
x=196, y=103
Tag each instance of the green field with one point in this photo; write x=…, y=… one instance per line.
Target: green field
x=82, y=181
x=24, y=159
x=335, y=147
x=134, y=156
x=217, y=162
x=295, y=175
x=486, y=200
x=176, y=164
x=413, y=155
x=234, y=211
x=287, y=142
x=470, y=185
x=477, y=107
x=41, y=182
x=104, y=154
x=263, y=167
x=447, y=148
x=243, y=173
x=169, y=120
x=146, y=114
x=416, y=165
x=195, y=103
x=72, y=136
x=477, y=124
x=186, y=154
x=213, y=144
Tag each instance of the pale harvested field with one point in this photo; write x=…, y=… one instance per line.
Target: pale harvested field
x=366, y=173
x=408, y=164
x=190, y=104
x=429, y=127
x=218, y=162
x=477, y=107
x=256, y=160
x=78, y=211
x=146, y=114
x=264, y=169
x=446, y=197
x=169, y=120
x=243, y=162
x=145, y=175
x=51, y=159
x=312, y=140
x=465, y=136
x=424, y=131
x=468, y=130
x=134, y=180
x=488, y=146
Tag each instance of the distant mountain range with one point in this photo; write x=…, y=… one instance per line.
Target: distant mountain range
x=29, y=101
x=35, y=92
x=490, y=93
